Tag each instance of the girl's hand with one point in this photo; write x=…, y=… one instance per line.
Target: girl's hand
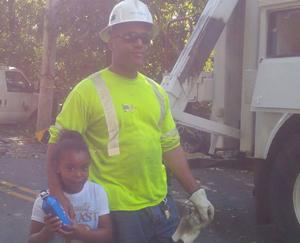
x=75, y=231
x=81, y=229
x=52, y=223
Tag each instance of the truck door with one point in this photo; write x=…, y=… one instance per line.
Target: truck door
x=18, y=97
x=277, y=84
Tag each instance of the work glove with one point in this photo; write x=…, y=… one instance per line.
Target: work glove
x=189, y=226
x=199, y=212
x=205, y=208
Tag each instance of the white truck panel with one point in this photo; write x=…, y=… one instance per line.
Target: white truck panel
x=217, y=111
x=277, y=78
x=205, y=125
x=202, y=89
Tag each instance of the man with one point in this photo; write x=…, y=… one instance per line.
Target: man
x=126, y=122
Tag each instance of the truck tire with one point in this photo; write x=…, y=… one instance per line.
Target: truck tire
x=285, y=191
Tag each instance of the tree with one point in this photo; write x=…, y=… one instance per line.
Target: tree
x=47, y=70
x=21, y=35
x=79, y=50
x=175, y=19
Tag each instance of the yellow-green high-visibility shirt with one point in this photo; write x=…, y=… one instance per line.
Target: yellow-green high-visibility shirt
x=127, y=125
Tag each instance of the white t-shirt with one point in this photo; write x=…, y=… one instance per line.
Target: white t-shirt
x=90, y=203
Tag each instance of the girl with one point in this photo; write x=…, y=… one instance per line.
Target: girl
x=89, y=200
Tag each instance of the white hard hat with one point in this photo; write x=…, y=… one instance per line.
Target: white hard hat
x=128, y=11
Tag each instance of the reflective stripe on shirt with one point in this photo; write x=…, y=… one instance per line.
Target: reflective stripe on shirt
x=111, y=119
x=58, y=126
x=171, y=134
x=160, y=100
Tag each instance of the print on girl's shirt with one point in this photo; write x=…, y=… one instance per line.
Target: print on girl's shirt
x=85, y=214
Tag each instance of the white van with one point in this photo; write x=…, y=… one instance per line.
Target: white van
x=18, y=98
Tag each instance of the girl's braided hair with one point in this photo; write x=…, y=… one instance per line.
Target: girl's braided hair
x=68, y=140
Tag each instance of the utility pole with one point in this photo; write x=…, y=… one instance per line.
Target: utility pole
x=44, y=115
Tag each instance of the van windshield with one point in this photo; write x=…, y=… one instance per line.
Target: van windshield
x=16, y=82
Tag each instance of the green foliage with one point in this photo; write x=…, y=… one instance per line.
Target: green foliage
x=79, y=48
x=176, y=19
x=21, y=34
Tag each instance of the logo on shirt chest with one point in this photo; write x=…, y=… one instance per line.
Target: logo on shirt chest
x=128, y=107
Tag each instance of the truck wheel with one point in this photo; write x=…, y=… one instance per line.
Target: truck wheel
x=285, y=191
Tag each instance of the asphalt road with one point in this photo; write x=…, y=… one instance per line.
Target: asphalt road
x=22, y=176
x=229, y=190
x=20, y=181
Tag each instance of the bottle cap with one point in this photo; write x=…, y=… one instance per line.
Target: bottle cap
x=44, y=194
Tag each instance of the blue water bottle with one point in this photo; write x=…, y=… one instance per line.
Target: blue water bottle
x=52, y=206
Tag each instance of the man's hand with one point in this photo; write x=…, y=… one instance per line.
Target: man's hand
x=204, y=207
x=198, y=213
x=67, y=206
x=189, y=226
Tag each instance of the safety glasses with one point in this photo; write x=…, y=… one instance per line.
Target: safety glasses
x=133, y=37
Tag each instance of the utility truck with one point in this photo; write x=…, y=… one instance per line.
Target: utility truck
x=18, y=98
x=255, y=95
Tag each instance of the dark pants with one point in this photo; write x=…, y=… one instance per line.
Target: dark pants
x=149, y=225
